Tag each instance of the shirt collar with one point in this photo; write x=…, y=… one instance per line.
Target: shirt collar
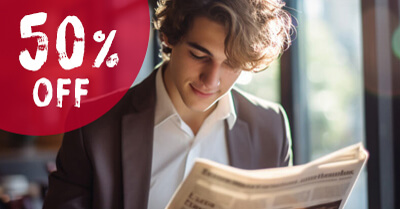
x=164, y=107
x=226, y=110
x=165, y=110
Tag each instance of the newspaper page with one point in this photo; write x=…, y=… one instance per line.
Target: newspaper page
x=324, y=183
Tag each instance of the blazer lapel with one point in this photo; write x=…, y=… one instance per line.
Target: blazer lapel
x=137, y=145
x=239, y=145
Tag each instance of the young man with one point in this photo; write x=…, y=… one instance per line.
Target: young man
x=136, y=154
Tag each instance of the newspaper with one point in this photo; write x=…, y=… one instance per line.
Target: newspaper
x=324, y=183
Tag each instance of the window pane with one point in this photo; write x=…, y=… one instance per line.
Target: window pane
x=330, y=32
x=264, y=84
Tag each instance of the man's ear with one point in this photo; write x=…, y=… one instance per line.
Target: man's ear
x=165, y=41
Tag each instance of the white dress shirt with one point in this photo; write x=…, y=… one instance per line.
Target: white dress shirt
x=175, y=147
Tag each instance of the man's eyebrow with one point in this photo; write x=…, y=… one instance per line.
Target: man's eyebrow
x=200, y=48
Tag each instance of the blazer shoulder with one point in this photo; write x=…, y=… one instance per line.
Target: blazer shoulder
x=246, y=103
x=133, y=99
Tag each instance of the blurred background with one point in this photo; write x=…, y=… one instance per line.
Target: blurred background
x=339, y=83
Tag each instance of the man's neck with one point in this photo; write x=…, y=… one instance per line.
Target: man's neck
x=194, y=119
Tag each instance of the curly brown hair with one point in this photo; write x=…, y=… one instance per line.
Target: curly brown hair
x=257, y=30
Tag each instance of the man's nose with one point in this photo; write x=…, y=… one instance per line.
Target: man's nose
x=210, y=76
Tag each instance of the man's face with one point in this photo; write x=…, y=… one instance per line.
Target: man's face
x=198, y=73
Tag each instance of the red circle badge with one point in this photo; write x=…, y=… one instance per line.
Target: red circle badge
x=59, y=59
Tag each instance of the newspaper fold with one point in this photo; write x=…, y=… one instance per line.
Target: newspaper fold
x=324, y=183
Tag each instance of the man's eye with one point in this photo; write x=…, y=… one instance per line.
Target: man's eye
x=197, y=57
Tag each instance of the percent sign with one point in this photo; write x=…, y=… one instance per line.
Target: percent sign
x=112, y=59
x=76, y=59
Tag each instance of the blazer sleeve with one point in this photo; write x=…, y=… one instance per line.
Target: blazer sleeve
x=70, y=186
x=286, y=153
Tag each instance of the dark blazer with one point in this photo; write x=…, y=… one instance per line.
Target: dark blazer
x=107, y=164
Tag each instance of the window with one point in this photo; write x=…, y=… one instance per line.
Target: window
x=330, y=33
x=264, y=84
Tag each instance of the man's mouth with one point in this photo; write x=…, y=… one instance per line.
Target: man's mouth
x=200, y=93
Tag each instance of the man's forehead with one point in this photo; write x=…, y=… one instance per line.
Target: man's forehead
x=205, y=28
x=207, y=36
